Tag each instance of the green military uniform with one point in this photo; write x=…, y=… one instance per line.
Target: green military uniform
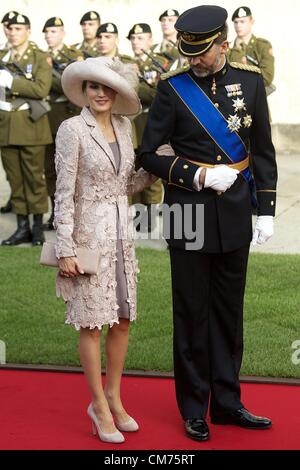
x=23, y=139
x=86, y=49
x=169, y=52
x=61, y=108
x=257, y=52
x=149, y=76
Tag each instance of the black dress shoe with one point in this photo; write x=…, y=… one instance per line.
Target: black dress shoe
x=242, y=418
x=197, y=429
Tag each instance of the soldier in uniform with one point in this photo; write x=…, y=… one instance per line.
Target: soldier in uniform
x=61, y=109
x=7, y=207
x=151, y=66
x=4, y=22
x=167, y=47
x=25, y=129
x=107, y=41
x=212, y=113
x=248, y=49
x=90, y=23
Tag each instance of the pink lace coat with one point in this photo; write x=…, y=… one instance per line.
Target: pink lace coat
x=89, y=192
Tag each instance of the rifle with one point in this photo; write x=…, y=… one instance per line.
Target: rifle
x=157, y=65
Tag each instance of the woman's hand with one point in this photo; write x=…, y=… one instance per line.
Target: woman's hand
x=69, y=267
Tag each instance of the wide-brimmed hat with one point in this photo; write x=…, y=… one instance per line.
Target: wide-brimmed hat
x=110, y=72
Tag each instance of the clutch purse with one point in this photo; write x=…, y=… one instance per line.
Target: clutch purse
x=88, y=259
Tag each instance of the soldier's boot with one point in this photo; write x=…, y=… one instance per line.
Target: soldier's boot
x=22, y=234
x=38, y=236
x=49, y=224
x=7, y=208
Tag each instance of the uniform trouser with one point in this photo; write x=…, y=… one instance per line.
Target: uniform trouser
x=24, y=166
x=50, y=173
x=208, y=292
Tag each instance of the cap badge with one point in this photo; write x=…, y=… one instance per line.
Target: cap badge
x=20, y=19
x=110, y=28
x=11, y=15
x=57, y=21
x=138, y=29
x=239, y=105
x=93, y=15
x=171, y=13
x=234, y=123
x=242, y=13
x=188, y=37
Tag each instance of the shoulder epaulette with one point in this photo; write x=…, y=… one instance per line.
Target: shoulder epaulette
x=172, y=73
x=248, y=68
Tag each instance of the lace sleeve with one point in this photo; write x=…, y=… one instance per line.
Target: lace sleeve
x=66, y=163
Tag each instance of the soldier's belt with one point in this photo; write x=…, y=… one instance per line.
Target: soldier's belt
x=6, y=106
x=240, y=166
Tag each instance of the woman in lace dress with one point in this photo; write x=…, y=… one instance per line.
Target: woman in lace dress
x=95, y=175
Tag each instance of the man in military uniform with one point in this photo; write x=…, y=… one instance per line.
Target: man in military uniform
x=25, y=129
x=61, y=109
x=248, y=49
x=7, y=207
x=108, y=40
x=90, y=23
x=168, y=48
x=4, y=22
x=212, y=114
x=151, y=66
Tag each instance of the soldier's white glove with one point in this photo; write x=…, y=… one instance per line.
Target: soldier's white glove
x=6, y=79
x=220, y=178
x=263, y=230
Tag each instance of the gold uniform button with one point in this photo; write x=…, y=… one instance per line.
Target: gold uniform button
x=219, y=158
x=272, y=203
x=185, y=167
x=181, y=181
x=217, y=105
x=219, y=193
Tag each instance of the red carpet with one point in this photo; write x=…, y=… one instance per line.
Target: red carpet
x=45, y=410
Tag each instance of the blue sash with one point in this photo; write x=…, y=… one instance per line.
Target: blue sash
x=212, y=121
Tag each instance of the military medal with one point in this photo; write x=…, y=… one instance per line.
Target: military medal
x=247, y=121
x=28, y=73
x=214, y=87
x=234, y=90
x=239, y=105
x=234, y=123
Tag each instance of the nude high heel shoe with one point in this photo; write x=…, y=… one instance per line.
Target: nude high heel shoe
x=130, y=426
x=113, y=437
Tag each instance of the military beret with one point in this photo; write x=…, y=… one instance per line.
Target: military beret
x=53, y=22
x=8, y=16
x=169, y=12
x=139, y=28
x=199, y=27
x=90, y=16
x=241, y=12
x=19, y=19
x=107, y=28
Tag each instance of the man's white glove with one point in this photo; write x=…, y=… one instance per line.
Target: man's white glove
x=263, y=230
x=220, y=178
x=6, y=79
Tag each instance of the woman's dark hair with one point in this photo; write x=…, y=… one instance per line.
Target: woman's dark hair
x=83, y=86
